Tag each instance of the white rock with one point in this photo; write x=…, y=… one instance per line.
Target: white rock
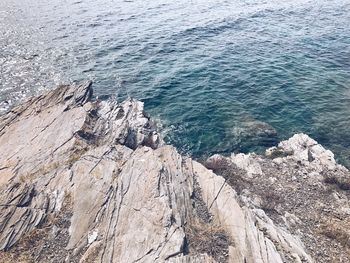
x=92, y=236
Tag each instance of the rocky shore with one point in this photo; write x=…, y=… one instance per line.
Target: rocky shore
x=83, y=180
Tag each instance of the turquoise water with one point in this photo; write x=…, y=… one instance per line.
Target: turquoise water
x=221, y=76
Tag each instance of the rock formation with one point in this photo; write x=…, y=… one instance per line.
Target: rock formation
x=83, y=180
x=301, y=188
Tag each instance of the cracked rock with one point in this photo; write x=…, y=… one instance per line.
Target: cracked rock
x=84, y=180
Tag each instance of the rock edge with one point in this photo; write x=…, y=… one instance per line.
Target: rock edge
x=83, y=180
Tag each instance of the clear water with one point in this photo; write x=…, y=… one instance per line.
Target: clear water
x=213, y=71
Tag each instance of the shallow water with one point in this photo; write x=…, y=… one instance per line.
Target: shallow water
x=213, y=71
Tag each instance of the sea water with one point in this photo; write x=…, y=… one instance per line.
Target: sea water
x=220, y=76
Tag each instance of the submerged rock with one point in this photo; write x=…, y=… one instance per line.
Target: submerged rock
x=91, y=181
x=250, y=131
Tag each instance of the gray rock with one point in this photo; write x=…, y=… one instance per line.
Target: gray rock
x=92, y=181
x=251, y=130
x=297, y=194
x=257, y=128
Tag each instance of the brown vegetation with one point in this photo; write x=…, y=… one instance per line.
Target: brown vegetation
x=337, y=230
x=208, y=238
x=341, y=183
x=233, y=175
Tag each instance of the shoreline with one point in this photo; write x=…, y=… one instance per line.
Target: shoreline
x=84, y=180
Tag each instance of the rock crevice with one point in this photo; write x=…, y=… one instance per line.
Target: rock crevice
x=83, y=180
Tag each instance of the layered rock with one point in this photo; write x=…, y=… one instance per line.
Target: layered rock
x=302, y=189
x=83, y=180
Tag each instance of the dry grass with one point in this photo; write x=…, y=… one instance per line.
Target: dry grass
x=234, y=176
x=341, y=183
x=75, y=156
x=338, y=231
x=24, y=250
x=270, y=201
x=39, y=245
x=10, y=258
x=208, y=238
x=218, y=165
x=43, y=170
x=278, y=152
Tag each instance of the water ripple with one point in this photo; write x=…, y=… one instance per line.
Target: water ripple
x=208, y=69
